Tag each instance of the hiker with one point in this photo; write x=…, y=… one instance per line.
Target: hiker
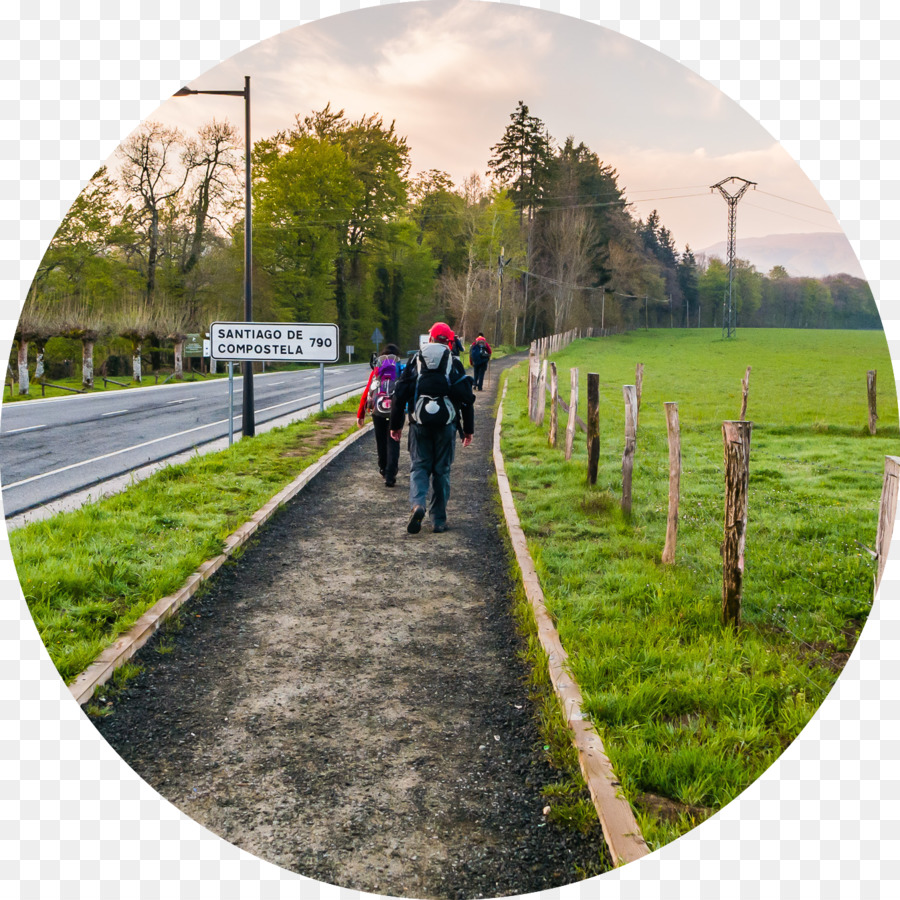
x=376, y=399
x=438, y=393
x=479, y=357
x=456, y=346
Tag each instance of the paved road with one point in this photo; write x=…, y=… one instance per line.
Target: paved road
x=54, y=447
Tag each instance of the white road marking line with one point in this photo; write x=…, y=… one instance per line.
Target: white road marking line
x=29, y=428
x=185, y=400
x=116, y=413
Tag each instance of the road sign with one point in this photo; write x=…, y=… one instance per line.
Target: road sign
x=296, y=342
x=377, y=338
x=192, y=345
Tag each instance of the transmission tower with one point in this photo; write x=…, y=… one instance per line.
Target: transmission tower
x=728, y=320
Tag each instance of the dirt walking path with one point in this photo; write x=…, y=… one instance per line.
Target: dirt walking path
x=347, y=701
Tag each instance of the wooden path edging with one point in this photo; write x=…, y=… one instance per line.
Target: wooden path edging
x=126, y=645
x=620, y=828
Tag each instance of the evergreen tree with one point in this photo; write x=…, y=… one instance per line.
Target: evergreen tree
x=521, y=160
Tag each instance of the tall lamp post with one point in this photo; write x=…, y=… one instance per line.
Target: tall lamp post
x=248, y=420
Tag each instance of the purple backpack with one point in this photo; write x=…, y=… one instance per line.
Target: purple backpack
x=381, y=390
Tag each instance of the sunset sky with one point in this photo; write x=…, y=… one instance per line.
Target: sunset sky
x=450, y=72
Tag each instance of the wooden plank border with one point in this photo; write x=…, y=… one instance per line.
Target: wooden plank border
x=119, y=652
x=620, y=828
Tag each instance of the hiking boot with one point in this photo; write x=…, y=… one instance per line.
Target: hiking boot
x=439, y=529
x=414, y=526
x=390, y=482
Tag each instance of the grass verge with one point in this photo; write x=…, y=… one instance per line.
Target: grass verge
x=690, y=711
x=88, y=575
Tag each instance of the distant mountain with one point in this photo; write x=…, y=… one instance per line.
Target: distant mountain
x=813, y=255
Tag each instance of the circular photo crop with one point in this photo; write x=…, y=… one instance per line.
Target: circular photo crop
x=449, y=450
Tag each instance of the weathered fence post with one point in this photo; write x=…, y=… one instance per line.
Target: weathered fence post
x=745, y=390
x=573, y=404
x=541, y=404
x=554, y=404
x=531, y=380
x=870, y=390
x=593, y=425
x=674, y=432
x=638, y=387
x=736, y=436
x=629, y=391
x=886, y=514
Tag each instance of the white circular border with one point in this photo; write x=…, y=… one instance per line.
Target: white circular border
x=821, y=77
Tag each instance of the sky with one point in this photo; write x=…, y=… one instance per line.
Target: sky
x=450, y=72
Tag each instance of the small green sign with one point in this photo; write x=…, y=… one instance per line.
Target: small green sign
x=193, y=345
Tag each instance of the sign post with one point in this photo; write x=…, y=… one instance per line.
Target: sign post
x=230, y=402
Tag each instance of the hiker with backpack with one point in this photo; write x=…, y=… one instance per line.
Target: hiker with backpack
x=479, y=357
x=436, y=390
x=376, y=400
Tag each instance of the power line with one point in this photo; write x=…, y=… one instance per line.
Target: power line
x=788, y=200
x=775, y=212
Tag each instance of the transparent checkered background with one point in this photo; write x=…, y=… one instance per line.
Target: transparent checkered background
x=821, y=76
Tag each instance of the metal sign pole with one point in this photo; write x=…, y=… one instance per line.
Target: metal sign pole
x=321, y=387
x=230, y=402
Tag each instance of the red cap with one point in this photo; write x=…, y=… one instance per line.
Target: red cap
x=440, y=331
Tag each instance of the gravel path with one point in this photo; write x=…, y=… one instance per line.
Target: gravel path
x=347, y=700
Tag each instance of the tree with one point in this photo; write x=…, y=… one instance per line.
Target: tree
x=521, y=159
x=151, y=176
x=688, y=283
x=568, y=247
x=303, y=189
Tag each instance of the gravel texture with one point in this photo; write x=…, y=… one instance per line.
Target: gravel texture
x=347, y=700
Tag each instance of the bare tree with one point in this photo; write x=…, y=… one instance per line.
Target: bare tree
x=569, y=242
x=84, y=320
x=151, y=174
x=136, y=318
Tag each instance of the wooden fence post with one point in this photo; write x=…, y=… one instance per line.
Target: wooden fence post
x=745, y=390
x=541, y=399
x=554, y=404
x=534, y=369
x=673, y=430
x=629, y=392
x=886, y=514
x=736, y=436
x=593, y=425
x=573, y=412
x=870, y=390
x=638, y=387
x=531, y=381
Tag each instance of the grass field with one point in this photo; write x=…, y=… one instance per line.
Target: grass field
x=693, y=711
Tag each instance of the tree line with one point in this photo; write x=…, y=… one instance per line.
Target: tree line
x=343, y=231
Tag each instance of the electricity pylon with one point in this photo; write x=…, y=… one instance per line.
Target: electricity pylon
x=728, y=320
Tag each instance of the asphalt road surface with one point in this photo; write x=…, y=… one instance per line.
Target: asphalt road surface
x=54, y=447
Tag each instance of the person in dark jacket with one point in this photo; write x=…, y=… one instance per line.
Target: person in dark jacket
x=438, y=394
x=388, y=450
x=479, y=357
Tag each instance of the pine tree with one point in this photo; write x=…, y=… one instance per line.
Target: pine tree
x=521, y=159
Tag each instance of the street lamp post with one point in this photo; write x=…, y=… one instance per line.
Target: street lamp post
x=248, y=420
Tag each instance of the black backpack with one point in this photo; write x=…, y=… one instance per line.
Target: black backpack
x=431, y=404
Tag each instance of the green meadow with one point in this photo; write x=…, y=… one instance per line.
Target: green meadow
x=692, y=711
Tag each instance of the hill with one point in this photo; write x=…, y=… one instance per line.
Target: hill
x=814, y=255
